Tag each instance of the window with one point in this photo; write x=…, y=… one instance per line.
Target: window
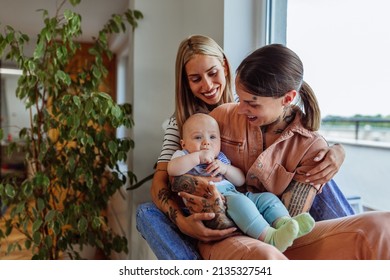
x=344, y=46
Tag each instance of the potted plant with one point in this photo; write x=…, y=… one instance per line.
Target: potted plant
x=71, y=149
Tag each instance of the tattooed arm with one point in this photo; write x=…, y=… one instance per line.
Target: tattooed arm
x=204, y=198
x=298, y=197
x=300, y=193
x=192, y=225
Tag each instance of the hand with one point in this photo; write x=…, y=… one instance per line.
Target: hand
x=193, y=226
x=332, y=159
x=206, y=156
x=206, y=199
x=216, y=167
x=210, y=202
x=197, y=185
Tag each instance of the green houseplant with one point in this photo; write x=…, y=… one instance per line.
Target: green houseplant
x=71, y=148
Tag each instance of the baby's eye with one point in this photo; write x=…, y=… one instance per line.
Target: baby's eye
x=213, y=137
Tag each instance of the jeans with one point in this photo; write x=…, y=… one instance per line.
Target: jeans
x=330, y=203
x=164, y=237
x=168, y=243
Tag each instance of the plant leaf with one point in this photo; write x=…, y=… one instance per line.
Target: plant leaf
x=36, y=225
x=10, y=191
x=82, y=225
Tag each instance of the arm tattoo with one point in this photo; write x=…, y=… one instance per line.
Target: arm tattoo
x=184, y=184
x=220, y=221
x=164, y=195
x=298, y=197
x=172, y=214
x=192, y=185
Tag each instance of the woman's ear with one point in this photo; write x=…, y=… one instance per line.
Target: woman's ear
x=289, y=97
x=225, y=67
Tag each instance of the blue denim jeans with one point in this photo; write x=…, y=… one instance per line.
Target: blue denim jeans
x=164, y=237
x=168, y=243
x=330, y=203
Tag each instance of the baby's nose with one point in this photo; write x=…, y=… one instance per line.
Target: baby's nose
x=205, y=145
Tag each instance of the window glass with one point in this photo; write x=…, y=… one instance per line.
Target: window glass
x=345, y=48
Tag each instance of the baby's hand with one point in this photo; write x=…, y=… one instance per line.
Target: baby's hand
x=206, y=156
x=216, y=167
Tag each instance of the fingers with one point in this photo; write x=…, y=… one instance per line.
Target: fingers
x=203, y=216
x=329, y=166
x=321, y=178
x=213, y=189
x=319, y=168
x=210, y=193
x=213, y=169
x=320, y=155
x=206, y=234
x=196, y=204
x=323, y=175
x=211, y=204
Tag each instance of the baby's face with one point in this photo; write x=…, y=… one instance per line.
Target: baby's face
x=201, y=133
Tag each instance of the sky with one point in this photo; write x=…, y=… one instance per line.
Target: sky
x=345, y=49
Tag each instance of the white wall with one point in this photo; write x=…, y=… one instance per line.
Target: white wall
x=242, y=32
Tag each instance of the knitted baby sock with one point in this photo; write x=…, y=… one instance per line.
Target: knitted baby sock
x=283, y=237
x=304, y=220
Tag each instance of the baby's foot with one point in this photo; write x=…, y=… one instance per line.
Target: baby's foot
x=306, y=223
x=283, y=237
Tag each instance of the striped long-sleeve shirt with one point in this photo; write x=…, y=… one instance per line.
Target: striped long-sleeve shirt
x=171, y=142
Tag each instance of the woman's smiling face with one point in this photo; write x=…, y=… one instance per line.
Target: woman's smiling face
x=206, y=77
x=259, y=110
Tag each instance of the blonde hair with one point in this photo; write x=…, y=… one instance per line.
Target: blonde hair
x=186, y=103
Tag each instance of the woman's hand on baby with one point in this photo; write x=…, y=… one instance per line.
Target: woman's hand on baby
x=204, y=201
x=194, y=227
x=203, y=209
